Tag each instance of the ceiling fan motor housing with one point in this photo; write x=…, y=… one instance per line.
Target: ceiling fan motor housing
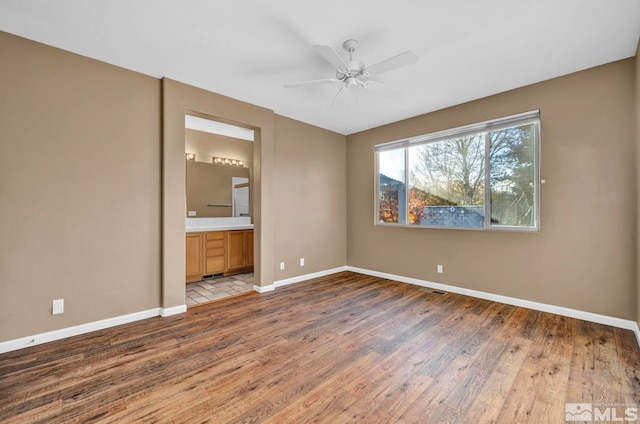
x=356, y=68
x=353, y=73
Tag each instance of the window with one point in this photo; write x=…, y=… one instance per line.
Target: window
x=480, y=176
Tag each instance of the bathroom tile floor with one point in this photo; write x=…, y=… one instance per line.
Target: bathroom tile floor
x=216, y=288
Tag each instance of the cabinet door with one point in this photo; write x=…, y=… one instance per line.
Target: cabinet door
x=249, y=247
x=235, y=250
x=194, y=257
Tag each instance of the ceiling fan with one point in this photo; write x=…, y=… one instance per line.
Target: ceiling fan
x=354, y=74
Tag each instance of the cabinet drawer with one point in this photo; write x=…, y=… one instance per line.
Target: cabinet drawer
x=218, y=251
x=215, y=235
x=215, y=243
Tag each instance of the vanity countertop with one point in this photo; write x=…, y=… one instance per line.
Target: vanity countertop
x=220, y=228
x=200, y=225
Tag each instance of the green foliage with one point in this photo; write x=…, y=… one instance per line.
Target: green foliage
x=512, y=172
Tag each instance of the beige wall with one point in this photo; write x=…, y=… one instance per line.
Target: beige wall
x=205, y=145
x=81, y=217
x=179, y=99
x=583, y=257
x=310, y=198
x=637, y=119
x=81, y=160
x=79, y=189
x=211, y=184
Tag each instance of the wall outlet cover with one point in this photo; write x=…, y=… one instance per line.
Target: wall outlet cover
x=58, y=306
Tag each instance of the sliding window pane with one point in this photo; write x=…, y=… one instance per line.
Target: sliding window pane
x=391, y=186
x=512, y=175
x=447, y=183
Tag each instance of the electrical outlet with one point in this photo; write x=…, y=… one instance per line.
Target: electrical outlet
x=301, y=261
x=281, y=266
x=192, y=213
x=440, y=270
x=58, y=307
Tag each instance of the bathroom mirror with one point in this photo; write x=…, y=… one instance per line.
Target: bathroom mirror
x=218, y=168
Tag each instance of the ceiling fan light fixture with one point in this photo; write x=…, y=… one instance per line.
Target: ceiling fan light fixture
x=354, y=73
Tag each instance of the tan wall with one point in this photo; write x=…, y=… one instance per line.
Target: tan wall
x=79, y=189
x=205, y=145
x=211, y=184
x=309, y=198
x=583, y=257
x=178, y=99
x=80, y=185
x=80, y=182
x=637, y=118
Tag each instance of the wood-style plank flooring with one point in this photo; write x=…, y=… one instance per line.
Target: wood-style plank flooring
x=338, y=349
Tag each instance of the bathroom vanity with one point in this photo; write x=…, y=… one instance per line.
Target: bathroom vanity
x=218, y=247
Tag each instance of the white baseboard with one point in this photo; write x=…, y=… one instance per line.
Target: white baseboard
x=50, y=336
x=299, y=278
x=174, y=310
x=37, y=339
x=559, y=310
x=305, y=277
x=637, y=331
x=264, y=289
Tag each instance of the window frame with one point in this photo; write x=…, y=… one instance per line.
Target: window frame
x=525, y=118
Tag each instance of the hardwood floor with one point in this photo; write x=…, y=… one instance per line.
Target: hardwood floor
x=338, y=349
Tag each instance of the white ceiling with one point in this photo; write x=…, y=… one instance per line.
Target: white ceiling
x=247, y=49
x=220, y=128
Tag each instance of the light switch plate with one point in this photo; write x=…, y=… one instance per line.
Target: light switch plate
x=58, y=306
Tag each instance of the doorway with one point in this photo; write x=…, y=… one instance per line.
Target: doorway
x=240, y=198
x=179, y=99
x=219, y=168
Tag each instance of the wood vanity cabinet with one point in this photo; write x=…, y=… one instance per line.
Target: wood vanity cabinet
x=218, y=252
x=214, y=252
x=194, y=257
x=250, y=248
x=239, y=249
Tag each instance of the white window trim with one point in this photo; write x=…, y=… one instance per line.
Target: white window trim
x=531, y=117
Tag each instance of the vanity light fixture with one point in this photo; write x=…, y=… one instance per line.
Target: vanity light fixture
x=190, y=156
x=227, y=161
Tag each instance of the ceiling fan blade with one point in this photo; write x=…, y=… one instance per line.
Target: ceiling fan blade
x=338, y=95
x=312, y=82
x=385, y=89
x=395, y=62
x=330, y=55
